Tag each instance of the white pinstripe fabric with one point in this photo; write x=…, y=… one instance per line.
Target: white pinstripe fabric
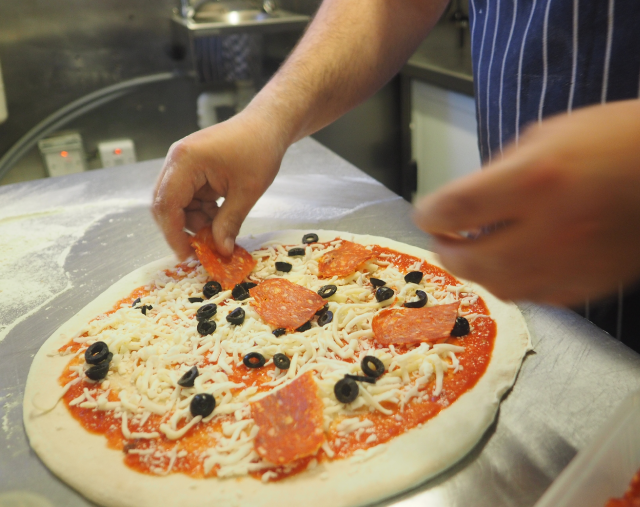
x=484, y=33
x=524, y=40
x=493, y=52
x=607, y=56
x=545, y=59
x=574, y=64
x=475, y=19
x=504, y=62
x=557, y=68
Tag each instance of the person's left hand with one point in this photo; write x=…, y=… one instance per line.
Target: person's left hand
x=567, y=205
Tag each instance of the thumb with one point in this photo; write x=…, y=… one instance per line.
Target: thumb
x=228, y=220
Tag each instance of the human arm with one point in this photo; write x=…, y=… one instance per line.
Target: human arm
x=348, y=52
x=569, y=199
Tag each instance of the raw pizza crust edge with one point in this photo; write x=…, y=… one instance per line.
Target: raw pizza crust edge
x=82, y=459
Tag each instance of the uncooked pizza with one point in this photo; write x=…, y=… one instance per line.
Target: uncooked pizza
x=312, y=367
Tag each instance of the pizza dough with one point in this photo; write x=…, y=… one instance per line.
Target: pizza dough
x=83, y=460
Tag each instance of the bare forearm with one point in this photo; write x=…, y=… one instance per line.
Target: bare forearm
x=349, y=51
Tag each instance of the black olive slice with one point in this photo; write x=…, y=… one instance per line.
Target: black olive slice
x=304, y=327
x=376, y=282
x=206, y=311
x=295, y=252
x=254, y=360
x=145, y=308
x=325, y=318
x=322, y=310
x=327, y=291
x=384, y=293
x=285, y=267
x=346, y=390
x=281, y=361
x=96, y=353
x=202, y=404
x=189, y=378
x=206, y=327
x=413, y=277
x=461, y=327
x=422, y=300
x=210, y=289
x=372, y=366
x=239, y=293
x=196, y=300
x=135, y=302
x=98, y=371
x=310, y=238
x=248, y=285
x=278, y=332
x=360, y=378
x=236, y=317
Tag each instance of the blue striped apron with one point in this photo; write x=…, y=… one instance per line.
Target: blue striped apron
x=536, y=58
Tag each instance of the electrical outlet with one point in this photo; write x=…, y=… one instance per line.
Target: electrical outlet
x=63, y=154
x=117, y=152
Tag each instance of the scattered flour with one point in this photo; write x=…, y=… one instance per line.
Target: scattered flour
x=7, y=406
x=33, y=250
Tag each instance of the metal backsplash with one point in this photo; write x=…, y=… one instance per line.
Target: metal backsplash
x=56, y=51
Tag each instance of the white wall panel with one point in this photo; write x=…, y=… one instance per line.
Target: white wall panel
x=443, y=135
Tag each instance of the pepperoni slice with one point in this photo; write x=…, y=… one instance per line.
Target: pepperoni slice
x=343, y=260
x=412, y=325
x=289, y=422
x=284, y=304
x=229, y=271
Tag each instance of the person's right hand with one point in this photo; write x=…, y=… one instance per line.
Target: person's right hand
x=237, y=159
x=566, y=200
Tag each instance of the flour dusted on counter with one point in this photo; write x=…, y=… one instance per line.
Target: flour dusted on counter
x=33, y=248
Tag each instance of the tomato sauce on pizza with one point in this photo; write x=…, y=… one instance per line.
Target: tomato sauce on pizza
x=631, y=497
x=257, y=369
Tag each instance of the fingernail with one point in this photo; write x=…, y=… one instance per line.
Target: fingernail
x=228, y=245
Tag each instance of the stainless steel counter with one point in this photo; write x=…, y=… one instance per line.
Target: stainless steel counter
x=565, y=391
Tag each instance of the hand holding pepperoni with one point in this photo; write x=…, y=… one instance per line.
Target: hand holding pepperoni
x=567, y=207
x=237, y=160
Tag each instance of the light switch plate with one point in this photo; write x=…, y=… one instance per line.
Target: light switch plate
x=117, y=152
x=63, y=154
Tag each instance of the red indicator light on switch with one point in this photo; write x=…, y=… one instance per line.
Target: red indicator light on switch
x=117, y=151
x=64, y=154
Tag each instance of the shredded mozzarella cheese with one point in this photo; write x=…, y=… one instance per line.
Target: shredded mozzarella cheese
x=152, y=351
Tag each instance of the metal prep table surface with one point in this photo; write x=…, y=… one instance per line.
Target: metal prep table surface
x=79, y=234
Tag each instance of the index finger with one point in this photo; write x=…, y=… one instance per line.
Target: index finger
x=174, y=192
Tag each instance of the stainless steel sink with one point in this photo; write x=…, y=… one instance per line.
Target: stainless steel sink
x=233, y=17
x=236, y=16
